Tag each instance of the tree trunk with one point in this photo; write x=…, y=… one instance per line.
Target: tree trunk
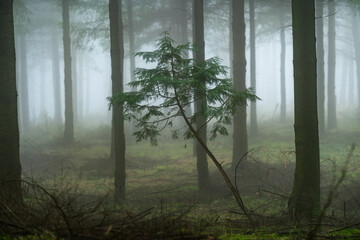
x=320, y=64
x=240, y=141
x=356, y=32
x=332, y=123
x=304, y=202
x=24, y=89
x=69, y=115
x=200, y=104
x=351, y=83
x=75, y=76
x=10, y=166
x=80, y=81
x=56, y=78
x=253, y=117
x=117, y=61
x=282, y=67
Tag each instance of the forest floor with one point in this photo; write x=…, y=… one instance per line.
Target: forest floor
x=162, y=199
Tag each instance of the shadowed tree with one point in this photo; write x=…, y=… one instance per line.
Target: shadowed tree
x=320, y=63
x=332, y=122
x=253, y=117
x=355, y=30
x=69, y=115
x=117, y=61
x=10, y=167
x=304, y=202
x=200, y=103
x=282, y=64
x=240, y=140
x=55, y=58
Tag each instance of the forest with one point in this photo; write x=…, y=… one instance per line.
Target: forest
x=179, y=119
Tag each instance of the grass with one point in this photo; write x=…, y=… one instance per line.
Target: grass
x=165, y=176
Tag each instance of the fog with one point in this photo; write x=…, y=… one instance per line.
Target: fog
x=88, y=161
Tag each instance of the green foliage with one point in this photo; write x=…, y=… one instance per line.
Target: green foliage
x=166, y=90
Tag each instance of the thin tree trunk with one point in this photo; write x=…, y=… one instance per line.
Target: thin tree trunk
x=69, y=115
x=253, y=116
x=351, y=83
x=74, y=82
x=10, y=166
x=56, y=78
x=356, y=32
x=24, y=89
x=282, y=67
x=320, y=64
x=80, y=81
x=332, y=123
x=240, y=140
x=201, y=104
x=117, y=61
x=304, y=202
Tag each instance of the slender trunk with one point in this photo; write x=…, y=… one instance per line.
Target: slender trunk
x=74, y=82
x=356, y=32
x=351, y=83
x=343, y=87
x=253, y=117
x=42, y=88
x=200, y=105
x=240, y=141
x=10, y=166
x=80, y=81
x=56, y=78
x=282, y=68
x=304, y=202
x=24, y=90
x=117, y=60
x=332, y=123
x=69, y=115
x=320, y=64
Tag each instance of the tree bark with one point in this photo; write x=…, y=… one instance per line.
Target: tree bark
x=304, y=202
x=253, y=116
x=332, y=122
x=10, y=166
x=69, y=115
x=356, y=32
x=24, y=89
x=282, y=67
x=200, y=104
x=56, y=78
x=240, y=140
x=320, y=63
x=117, y=61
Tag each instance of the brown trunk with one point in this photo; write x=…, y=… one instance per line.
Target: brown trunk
x=200, y=105
x=320, y=64
x=10, y=167
x=240, y=141
x=332, y=123
x=69, y=115
x=253, y=116
x=117, y=60
x=56, y=78
x=304, y=202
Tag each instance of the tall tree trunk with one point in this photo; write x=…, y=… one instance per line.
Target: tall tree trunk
x=56, y=77
x=282, y=66
x=24, y=89
x=240, y=141
x=80, y=81
x=42, y=88
x=356, y=32
x=332, y=123
x=10, y=166
x=74, y=82
x=69, y=115
x=253, y=117
x=304, y=202
x=320, y=64
x=201, y=103
x=117, y=61
x=351, y=83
